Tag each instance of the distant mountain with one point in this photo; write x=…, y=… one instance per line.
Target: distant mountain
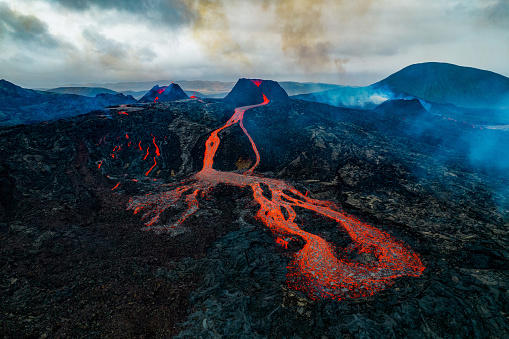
x=250, y=92
x=218, y=95
x=21, y=106
x=139, y=94
x=195, y=94
x=450, y=84
x=85, y=91
x=171, y=92
x=209, y=89
x=204, y=86
x=135, y=94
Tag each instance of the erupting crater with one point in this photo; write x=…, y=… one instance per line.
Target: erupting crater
x=315, y=269
x=163, y=94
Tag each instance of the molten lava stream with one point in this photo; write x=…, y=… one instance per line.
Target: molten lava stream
x=315, y=269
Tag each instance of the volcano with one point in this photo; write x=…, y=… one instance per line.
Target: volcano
x=250, y=92
x=171, y=92
x=445, y=83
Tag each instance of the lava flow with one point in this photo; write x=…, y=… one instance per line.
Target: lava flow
x=315, y=269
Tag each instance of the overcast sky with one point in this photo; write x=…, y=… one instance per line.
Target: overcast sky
x=46, y=43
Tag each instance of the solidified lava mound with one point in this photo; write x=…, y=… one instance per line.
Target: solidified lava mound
x=249, y=92
x=171, y=92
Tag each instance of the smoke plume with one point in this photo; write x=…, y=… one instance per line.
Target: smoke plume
x=211, y=29
x=304, y=37
x=299, y=24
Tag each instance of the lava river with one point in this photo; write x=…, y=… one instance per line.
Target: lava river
x=315, y=269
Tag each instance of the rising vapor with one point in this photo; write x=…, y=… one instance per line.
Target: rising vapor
x=211, y=29
x=304, y=37
x=299, y=23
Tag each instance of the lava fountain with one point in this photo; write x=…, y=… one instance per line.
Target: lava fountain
x=315, y=269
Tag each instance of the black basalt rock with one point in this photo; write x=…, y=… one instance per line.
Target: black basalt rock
x=250, y=92
x=401, y=108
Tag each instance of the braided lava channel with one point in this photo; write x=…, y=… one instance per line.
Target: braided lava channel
x=315, y=269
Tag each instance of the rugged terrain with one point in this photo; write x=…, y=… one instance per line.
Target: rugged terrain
x=76, y=263
x=25, y=106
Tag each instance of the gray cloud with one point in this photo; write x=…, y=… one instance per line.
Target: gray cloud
x=484, y=13
x=114, y=54
x=162, y=12
x=497, y=13
x=25, y=28
x=338, y=41
x=104, y=45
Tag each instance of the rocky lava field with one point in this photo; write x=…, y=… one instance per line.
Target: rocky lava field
x=77, y=262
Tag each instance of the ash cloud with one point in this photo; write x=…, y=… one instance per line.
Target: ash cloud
x=324, y=40
x=299, y=24
x=304, y=37
x=25, y=28
x=206, y=18
x=302, y=32
x=210, y=27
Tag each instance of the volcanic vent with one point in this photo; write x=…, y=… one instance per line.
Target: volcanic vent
x=250, y=92
x=171, y=92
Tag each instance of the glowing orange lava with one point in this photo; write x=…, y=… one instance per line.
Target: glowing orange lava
x=282, y=242
x=146, y=154
x=151, y=168
x=257, y=82
x=315, y=268
x=157, y=148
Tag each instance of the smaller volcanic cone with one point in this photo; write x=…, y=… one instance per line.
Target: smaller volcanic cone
x=164, y=94
x=250, y=92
